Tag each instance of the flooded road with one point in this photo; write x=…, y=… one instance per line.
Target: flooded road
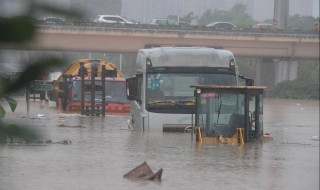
x=103, y=149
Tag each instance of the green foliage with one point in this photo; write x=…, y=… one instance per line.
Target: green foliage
x=302, y=22
x=306, y=86
x=236, y=15
x=96, y=7
x=187, y=18
x=297, y=89
x=17, y=31
x=13, y=131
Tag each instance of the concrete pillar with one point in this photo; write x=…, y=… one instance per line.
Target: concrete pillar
x=286, y=71
x=281, y=13
x=271, y=72
x=266, y=74
x=258, y=71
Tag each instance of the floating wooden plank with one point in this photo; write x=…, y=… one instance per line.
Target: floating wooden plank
x=143, y=171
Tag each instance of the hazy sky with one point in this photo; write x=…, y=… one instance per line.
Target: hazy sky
x=315, y=11
x=13, y=7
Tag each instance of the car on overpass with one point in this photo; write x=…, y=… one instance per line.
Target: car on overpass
x=223, y=26
x=265, y=26
x=53, y=20
x=113, y=19
x=164, y=22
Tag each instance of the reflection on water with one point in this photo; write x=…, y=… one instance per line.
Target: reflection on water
x=103, y=149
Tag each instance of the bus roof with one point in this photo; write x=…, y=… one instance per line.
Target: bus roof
x=185, y=57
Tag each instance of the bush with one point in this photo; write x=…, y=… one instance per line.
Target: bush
x=297, y=89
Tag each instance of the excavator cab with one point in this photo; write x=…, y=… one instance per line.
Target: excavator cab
x=229, y=114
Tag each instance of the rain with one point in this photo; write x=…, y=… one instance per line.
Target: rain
x=137, y=94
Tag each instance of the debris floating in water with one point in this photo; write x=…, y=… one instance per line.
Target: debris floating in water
x=40, y=115
x=71, y=126
x=143, y=171
x=316, y=138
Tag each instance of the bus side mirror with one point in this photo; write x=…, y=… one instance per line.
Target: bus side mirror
x=131, y=88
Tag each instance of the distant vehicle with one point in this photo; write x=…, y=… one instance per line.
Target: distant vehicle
x=112, y=19
x=223, y=26
x=265, y=26
x=316, y=26
x=184, y=24
x=53, y=20
x=164, y=22
x=68, y=87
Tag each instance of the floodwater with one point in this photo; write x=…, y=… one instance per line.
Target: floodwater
x=102, y=150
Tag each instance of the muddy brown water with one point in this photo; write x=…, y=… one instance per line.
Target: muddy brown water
x=102, y=150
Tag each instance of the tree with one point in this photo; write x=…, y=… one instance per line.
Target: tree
x=236, y=15
x=92, y=8
x=306, y=86
x=187, y=18
x=302, y=22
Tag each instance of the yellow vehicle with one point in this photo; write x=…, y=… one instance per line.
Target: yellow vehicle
x=229, y=114
x=68, y=87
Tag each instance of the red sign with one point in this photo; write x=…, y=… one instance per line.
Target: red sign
x=207, y=95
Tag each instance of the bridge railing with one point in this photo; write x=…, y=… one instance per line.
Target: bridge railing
x=150, y=27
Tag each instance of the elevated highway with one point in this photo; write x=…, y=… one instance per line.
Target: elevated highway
x=92, y=37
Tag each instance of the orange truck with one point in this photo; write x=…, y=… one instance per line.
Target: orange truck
x=90, y=80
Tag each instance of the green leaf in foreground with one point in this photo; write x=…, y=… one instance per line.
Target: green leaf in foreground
x=2, y=112
x=12, y=103
x=17, y=29
x=13, y=131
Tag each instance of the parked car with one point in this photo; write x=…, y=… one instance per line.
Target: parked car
x=53, y=20
x=112, y=19
x=267, y=26
x=164, y=22
x=186, y=24
x=223, y=26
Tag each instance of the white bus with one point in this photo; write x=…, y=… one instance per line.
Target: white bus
x=160, y=93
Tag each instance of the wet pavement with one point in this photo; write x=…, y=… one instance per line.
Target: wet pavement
x=99, y=151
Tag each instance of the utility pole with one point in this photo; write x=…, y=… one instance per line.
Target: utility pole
x=281, y=13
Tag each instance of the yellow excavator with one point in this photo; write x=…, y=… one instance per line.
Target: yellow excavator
x=229, y=114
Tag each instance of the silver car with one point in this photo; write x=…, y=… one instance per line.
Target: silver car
x=112, y=19
x=223, y=26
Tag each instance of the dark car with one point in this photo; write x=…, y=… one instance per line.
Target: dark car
x=222, y=26
x=164, y=22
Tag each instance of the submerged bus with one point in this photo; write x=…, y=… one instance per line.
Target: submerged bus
x=160, y=92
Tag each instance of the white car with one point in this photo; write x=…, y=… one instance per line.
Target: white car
x=112, y=19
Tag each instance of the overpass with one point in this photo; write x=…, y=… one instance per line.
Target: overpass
x=129, y=39
x=279, y=47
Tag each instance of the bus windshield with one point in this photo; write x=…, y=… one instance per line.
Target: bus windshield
x=174, y=88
